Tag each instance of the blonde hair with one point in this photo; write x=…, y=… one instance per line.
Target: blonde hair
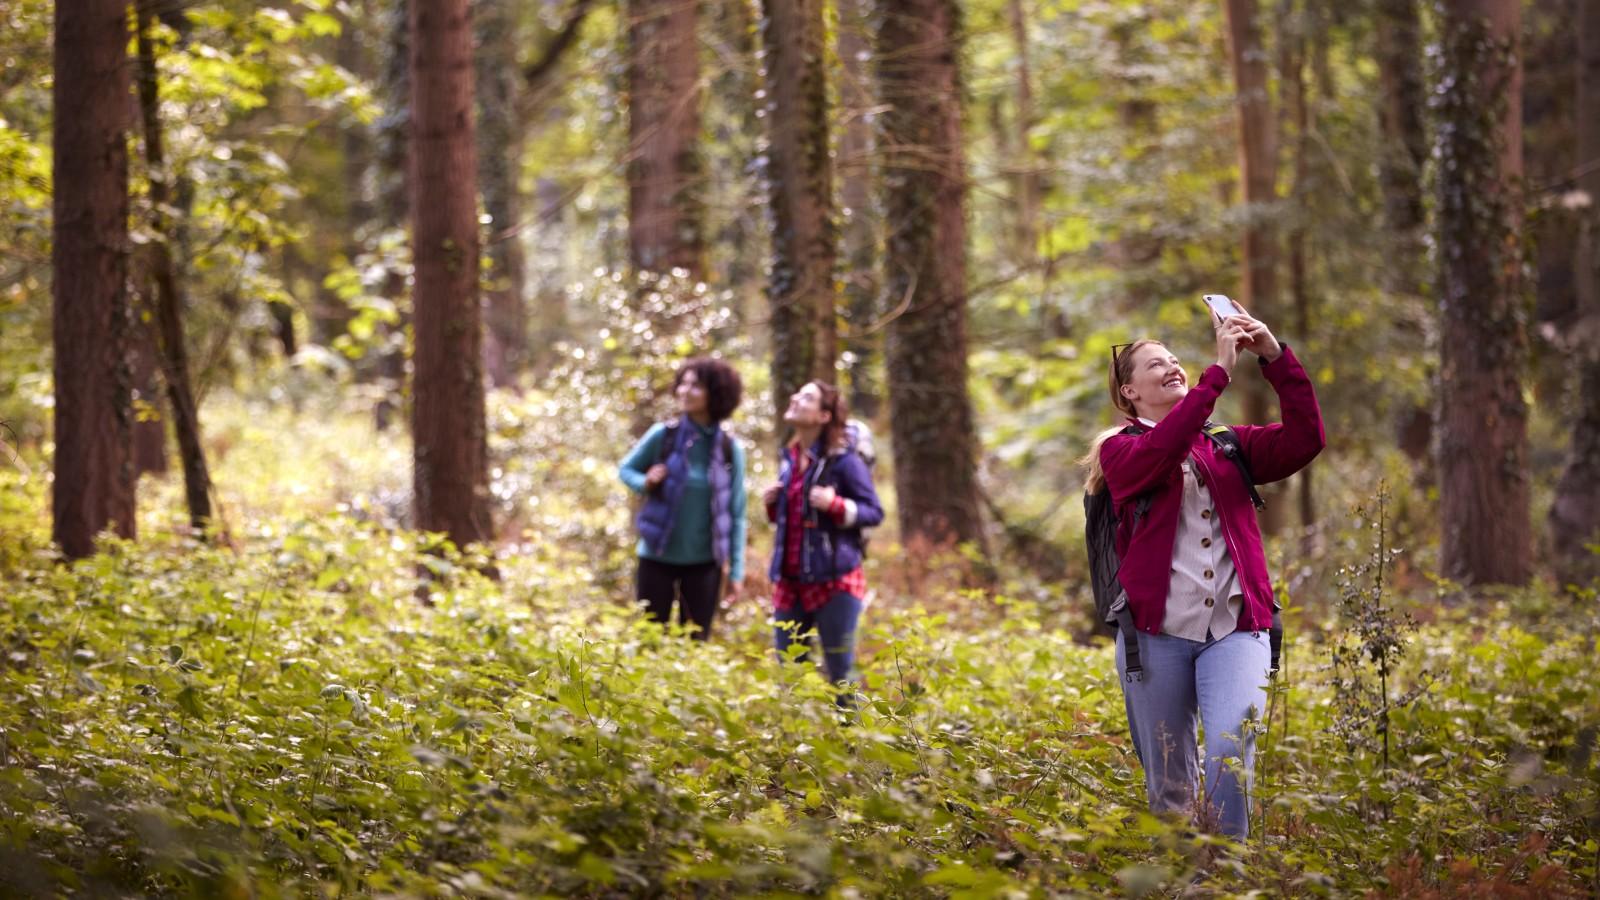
x=1118, y=371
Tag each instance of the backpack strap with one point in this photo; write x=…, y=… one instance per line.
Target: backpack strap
x=1275, y=640
x=669, y=438
x=1227, y=441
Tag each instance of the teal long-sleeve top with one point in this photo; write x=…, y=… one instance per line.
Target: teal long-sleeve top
x=690, y=541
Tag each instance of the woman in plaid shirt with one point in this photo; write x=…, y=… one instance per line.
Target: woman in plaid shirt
x=821, y=501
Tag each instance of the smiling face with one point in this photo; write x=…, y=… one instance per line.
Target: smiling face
x=1155, y=381
x=691, y=394
x=805, y=408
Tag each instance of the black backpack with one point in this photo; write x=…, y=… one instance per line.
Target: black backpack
x=1100, y=538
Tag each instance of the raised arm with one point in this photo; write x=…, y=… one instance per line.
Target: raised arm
x=1277, y=451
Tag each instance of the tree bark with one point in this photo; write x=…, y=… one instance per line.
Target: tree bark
x=1402, y=103
x=664, y=172
x=165, y=286
x=1258, y=169
x=935, y=439
x=393, y=205
x=1024, y=168
x=800, y=184
x=1574, y=518
x=860, y=219
x=149, y=424
x=1482, y=443
x=91, y=323
x=499, y=152
x=450, y=465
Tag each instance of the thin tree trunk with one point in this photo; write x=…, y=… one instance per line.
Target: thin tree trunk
x=394, y=198
x=333, y=314
x=150, y=423
x=1574, y=519
x=1294, y=26
x=732, y=185
x=1258, y=168
x=1402, y=101
x=94, y=475
x=165, y=286
x=499, y=150
x=1401, y=109
x=450, y=467
x=800, y=183
x=664, y=179
x=860, y=218
x=1025, y=169
x=934, y=435
x=1482, y=445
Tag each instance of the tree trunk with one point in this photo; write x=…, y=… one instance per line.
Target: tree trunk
x=149, y=424
x=800, y=184
x=860, y=218
x=664, y=177
x=1482, y=444
x=164, y=286
x=1402, y=103
x=1024, y=168
x=450, y=466
x=935, y=439
x=1294, y=26
x=393, y=203
x=499, y=151
x=94, y=475
x=1575, y=516
x=1258, y=168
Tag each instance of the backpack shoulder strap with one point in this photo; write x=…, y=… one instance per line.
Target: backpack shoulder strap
x=1228, y=444
x=668, y=439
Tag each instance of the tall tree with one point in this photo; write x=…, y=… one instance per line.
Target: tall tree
x=664, y=171
x=393, y=201
x=1299, y=26
x=1401, y=110
x=1258, y=169
x=1024, y=168
x=165, y=286
x=800, y=184
x=499, y=150
x=1483, y=419
x=448, y=422
x=94, y=475
x=935, y=439
x=1575, y=516
x=860, y=221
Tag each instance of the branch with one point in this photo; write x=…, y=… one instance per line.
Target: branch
x=538, y=72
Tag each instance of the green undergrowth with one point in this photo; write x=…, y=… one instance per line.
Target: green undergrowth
x=294, y=711
x=287, y=718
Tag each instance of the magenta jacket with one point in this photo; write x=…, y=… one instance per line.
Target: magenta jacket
x=1151, y=462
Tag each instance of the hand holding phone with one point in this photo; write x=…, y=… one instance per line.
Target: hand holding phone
x=1222, y=306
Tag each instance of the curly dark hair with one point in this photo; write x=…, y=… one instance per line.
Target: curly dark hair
x=724, y=388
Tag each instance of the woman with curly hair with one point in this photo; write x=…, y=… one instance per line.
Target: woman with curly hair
x=692, y=526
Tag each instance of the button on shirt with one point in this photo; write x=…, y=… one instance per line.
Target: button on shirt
x=1204, y=595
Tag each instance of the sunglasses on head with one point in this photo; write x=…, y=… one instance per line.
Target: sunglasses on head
x=1116, y=351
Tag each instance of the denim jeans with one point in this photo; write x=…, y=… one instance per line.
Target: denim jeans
x=834, y=623
x=1223, y=683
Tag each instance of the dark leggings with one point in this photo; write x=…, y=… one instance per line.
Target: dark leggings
x=696, y=588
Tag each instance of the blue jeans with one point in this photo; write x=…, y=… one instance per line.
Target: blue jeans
x=1223, y=682
x=834, y=623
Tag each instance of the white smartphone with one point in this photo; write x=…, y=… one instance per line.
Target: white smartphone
x=1222, y=305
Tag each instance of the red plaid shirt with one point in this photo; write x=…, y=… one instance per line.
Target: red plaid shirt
x=789, y=591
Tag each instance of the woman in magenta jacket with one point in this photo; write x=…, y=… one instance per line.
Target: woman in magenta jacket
x=1193, y=572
